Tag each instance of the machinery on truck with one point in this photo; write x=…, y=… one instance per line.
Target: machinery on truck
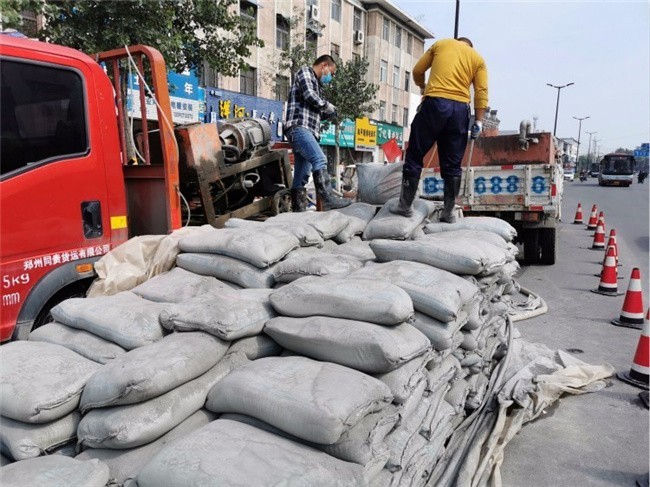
x=616, y=170
x=81, y=174
x=517, y=178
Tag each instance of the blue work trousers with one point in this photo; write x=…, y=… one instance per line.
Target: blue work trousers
x=445, y=122
x=308, y=156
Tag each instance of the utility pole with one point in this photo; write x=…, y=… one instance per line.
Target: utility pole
x=579, y=119
x=589, y=150
x=557, y=105
x=457, y=16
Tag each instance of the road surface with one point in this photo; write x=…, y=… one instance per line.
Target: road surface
x=598, y=439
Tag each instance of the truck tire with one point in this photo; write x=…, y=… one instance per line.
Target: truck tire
x=530, y=240
x=547, y=241
x=75, y=290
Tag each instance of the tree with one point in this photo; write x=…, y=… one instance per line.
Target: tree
x=188, y=33
x=352, y=96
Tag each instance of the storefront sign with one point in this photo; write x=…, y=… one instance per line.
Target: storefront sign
x=365, y=134
x=346, y=134
x=387, y=131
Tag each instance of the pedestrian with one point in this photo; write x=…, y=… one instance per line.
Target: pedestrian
x=443, y=117
x=305, y=109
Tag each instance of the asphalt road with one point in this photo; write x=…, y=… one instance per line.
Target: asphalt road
x=601, y=438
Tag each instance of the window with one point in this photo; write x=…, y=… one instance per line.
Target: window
x=281, y=88
x=281, y=33
x=405, y=118
x=382, y=110
x=396, y=76
x=248, y=10
x=356, y=57
x=409, y=43
x=248, y=81
x=383, y=71
x=393, y=114
x=386, y=30
x=407, y=81
x=312, y=2
x=335, y=11
x=43, y=115
x=311, y=40
x=335, y=51
x=356, y=21
x=209, y=76
x=398, y=37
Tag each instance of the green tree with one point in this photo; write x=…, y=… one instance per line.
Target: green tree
x=352, y=95
x=188, y=33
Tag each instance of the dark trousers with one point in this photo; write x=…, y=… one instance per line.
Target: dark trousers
x=443, y=121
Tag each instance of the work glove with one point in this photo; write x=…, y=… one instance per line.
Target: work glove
x=475, y=131
x=329, y=110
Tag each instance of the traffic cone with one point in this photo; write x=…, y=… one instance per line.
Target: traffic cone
x=601, y=219
x=632, y=312
x=612, y=241
x=599, y=238
x=578, y=217
x=638, y=374
x=608, y=276
x=593, y=219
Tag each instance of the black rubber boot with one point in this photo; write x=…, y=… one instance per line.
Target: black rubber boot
x=406, y=196
x=452, y=188
x=298, y=199
x=324, y=191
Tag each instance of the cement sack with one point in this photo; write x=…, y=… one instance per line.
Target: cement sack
x=438, y=414
x=177, y=286
x=321, y=265
x=54, y=471
x=485, y=223
x=362, y=444
x=408, y=407
x=327, y=223
x=379, y=182
x=359, y=249
x=4, y=461
x=403, y=380
x=229, y=316
x=375, y=301
x=356, y=344
x=305, y=233
x=260, y=247
x=258, y=346
x=124, y=318
x=478, y=235
x=152, y=370
x=359, y=215
x=439, y=333
x=405, y=440
x=329, y=246
x=434, y=292
x=41, y=382
x=129, y=426
x=227, y=269
x=477, y=388
x=314, y=401
x=477, y=313
x=470, y=342
x=453, y=256
x=20, y=441
x=124, y=465
x=85, y=344
x=230, y=453
x=457, y=395
x=389, y=225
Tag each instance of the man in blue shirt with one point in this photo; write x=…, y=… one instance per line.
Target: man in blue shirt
x=305, y=108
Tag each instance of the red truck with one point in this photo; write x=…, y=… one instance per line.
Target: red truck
x=69, y=191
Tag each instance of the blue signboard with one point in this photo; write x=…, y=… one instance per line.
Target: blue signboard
x=221, y=104
x=346, y=134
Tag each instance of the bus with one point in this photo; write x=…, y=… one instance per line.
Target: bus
x=616, y=169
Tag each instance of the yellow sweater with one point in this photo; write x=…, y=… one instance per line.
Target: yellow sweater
x=454, y=67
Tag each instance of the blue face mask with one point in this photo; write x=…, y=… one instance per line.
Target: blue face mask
x=326, y=79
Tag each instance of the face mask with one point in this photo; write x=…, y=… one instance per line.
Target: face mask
x=326, y=79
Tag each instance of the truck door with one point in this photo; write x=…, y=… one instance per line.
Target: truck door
x=53, y=190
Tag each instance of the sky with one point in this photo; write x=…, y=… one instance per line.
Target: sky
x=602, y=47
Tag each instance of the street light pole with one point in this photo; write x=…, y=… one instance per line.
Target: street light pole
x=579, y=119
x=557, y=105
x=589, y=150
x=457, y=16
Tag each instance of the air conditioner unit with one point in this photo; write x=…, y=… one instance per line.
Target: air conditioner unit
x=314, y=12
x=358, y=37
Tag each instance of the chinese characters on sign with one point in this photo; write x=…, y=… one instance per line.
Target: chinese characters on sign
x=63, y=257
x=387, y=131
x=365, y=134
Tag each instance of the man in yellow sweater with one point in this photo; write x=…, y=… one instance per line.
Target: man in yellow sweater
x=443, y=117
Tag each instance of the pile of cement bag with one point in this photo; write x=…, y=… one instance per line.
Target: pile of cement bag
x=279, y=350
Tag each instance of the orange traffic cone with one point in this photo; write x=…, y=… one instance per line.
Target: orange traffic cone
x=601, y=219
x=599, y=238
x=578, y=217
x=638, y=374
x=608, y=277
x=632, y=312
x=611, y=241
x=593, y=219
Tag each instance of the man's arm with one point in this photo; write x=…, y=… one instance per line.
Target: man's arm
x=421, y=67
x=480, y=83
x=309, y=89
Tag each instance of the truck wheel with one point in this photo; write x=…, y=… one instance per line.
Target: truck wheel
x=281, y=202
x=75, y=290
x=530, y=239
x=547, y=238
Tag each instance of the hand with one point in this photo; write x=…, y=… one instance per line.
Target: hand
x=475, y=131
x=329, y=109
